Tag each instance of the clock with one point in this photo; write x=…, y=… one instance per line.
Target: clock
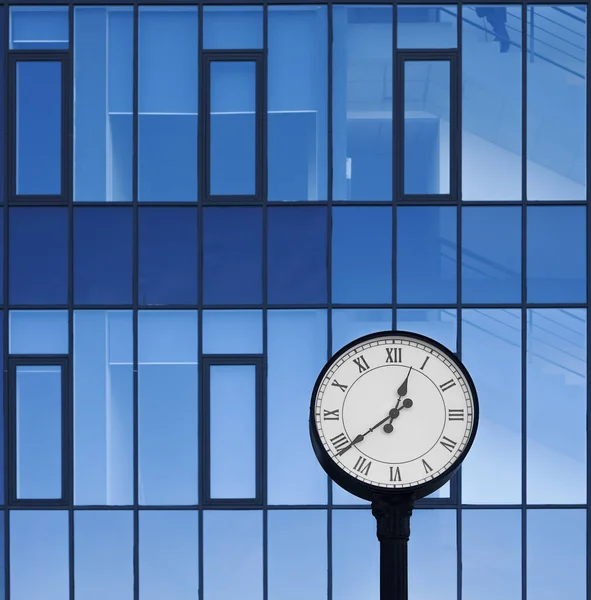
x=393, y=413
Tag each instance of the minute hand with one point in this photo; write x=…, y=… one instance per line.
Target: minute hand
x=361, y=436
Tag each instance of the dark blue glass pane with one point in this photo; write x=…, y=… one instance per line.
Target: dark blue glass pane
x=167, y=256
x=228, y=27
x=39, y=27
x=232, y=256
x=38, y=256
x=297, y=255
x=102, y=255
x=427, y=27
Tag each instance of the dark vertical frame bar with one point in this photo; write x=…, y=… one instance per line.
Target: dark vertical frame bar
x=588, y=249
x=395, y=164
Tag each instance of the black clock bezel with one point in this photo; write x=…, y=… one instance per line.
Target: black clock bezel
x=368, y=491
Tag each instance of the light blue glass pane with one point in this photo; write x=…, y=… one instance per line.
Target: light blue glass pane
x=296, y=344
x=103, y=407
x=38, y=332
x=232, y=27
x=232, y=135
x=233, y=538
x=233, y=391
x=297, y=128
x=167, y=387
x=491, y=554
x=232, y=332
x=362, y=102
x=556, y=123
x=556, y=406
x=556, y=554
x=3, y=559
x=362, y=255
x=428, y=26
x=39, y=555
x=491, y=102
x=168, y=555
x=39, y=127
x=437, y=323
x=40, y=28
x=168, y=100
x=38, y=432
x=103, y=544
x=556, y=251
x=426, y=255
x=103, y=123
x=491, y=350
x=297, y=555
x=426, y=127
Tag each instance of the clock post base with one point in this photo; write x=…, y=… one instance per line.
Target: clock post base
x=392, y=514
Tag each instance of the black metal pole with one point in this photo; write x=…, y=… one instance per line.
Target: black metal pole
x=393, y=528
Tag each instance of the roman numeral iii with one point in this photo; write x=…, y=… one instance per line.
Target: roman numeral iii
x=455, y=414
x=361, y=363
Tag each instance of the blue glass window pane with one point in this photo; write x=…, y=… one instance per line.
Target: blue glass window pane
x=296, y=344
x=297, y=128
x=103, y=122
x=491, y=254
x=556, y=251
x=39, y=546
x=297, y=255
x=556, y=122
x=427, y=27
x=38, y=332
x=39, y=28
x=168, y=100
x=426, y=255
x=232, y=332
x=103, y=255
x=103, y=407
x=167, y=256
x=556, y=406
x=38, y=128
x=103, y=543
x=232, y=27
x=491, y=102
x=441, y=324
x=167, y=422
x=38, y=255
x=362, y=103
x=232, y=135
x=297, y=554
x=232, y=255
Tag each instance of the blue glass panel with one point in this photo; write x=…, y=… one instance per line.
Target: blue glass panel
x=39, y=555
x=362, y=103
x=491, y=537
x=38, y=128
x=297, y=128
x=103, y=255
x=168, y=555
x=362, y=255
x=167, y=422
x=39, y=28
x=556, y=122
x=38, y=255
x=296, y=344
x=233, y=538
x=103, y=407
x=168, y=101
x=232, y=27
x=556, y=251
x=297, y=555
x=103, y=544
x=491, y=254
x=232, y=256
x=491, y=102
x=556, y=406
x=103, y=122
x=426, y=255
x=429, y=26
x=38, y=332
x=232, y=332
x=297, y=255
x=167, y=256
x=232, y=391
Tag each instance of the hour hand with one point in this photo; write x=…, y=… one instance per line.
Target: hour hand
x=403, y=389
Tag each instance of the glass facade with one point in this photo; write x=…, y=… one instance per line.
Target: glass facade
x=200, y=204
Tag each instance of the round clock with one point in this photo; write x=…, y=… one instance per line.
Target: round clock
x=393, y=413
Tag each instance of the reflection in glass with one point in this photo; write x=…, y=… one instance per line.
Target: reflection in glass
x=39, y=28
x=427, y=27
x=232, y=27
x=232, y=332
x=38, y=332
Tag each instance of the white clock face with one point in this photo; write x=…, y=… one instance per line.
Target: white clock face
x=394, y=412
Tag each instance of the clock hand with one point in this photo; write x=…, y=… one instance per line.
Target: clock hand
x=407, y=403
x=361, y=436
x=403, y=389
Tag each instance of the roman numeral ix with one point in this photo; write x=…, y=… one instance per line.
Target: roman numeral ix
x=331, y=415
x=361, y=363
x=393, y=355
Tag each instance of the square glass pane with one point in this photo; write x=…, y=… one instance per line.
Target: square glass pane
x=39, y=28
x=232, y=331
x=232, y=27
x=38, y=332
x=441, y=324
x=429, y=26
